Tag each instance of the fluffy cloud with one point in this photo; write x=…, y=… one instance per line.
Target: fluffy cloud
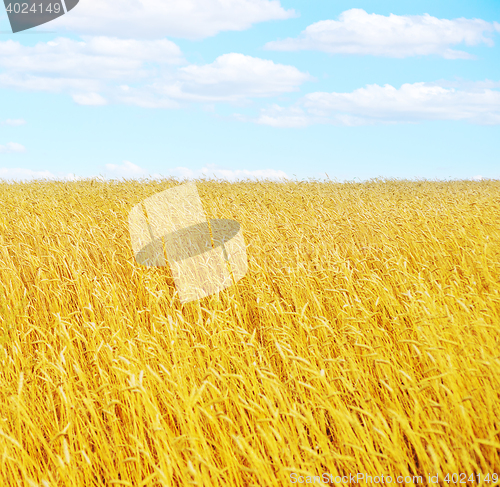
x=129, y=170
x=11, y=147
x=13, y=122
x=289, y=117
x=232, y=77
x=211, y=170
x=145, y=73
x=82, y=66
x=93, y=99
x=126, y=169
x=357, y=32
x=387, y=104
x=153, y=19
x=22, y=174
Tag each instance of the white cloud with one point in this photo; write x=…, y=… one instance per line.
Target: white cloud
x=11, y=147
x=29, y=82
x=387, y=104
x=83, y=68
x=13, y=122
x=22, y=174
x=93, y=99
x=478, y=178
x=97, y=58
x=357, y=32
x=193, y=19
x=232, y=77
x=211, y=170
x=292, y=117
x=126, y=169
x=102, y=70
x=145, y=97
x=130, y=170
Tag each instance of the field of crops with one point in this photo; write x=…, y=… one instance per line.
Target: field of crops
x=364, y=338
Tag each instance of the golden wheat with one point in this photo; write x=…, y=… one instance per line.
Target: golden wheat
x=364, y=338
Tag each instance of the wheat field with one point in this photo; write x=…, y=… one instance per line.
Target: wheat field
x=364, y=339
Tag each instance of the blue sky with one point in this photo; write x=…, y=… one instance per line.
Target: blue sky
x=255, y=88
